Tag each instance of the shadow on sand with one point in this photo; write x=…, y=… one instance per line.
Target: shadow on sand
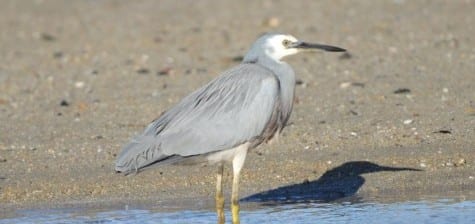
x=340, y=182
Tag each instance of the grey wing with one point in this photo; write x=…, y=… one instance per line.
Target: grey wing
x=232, y=109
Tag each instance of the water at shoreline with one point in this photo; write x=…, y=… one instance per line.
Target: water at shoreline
x=439, y=211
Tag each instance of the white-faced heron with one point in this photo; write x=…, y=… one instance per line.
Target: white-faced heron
x=243, y=107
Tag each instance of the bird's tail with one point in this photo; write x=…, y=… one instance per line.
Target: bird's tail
x=142, y=151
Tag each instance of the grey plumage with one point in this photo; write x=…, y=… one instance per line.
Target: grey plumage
x=215, y=117
x=241, y=108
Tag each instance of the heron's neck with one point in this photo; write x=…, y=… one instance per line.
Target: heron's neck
x=286, y=77
x=281, y=69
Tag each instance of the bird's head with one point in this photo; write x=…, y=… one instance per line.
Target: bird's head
x=278, y=46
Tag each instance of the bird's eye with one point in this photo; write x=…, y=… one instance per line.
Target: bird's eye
x=286, y=43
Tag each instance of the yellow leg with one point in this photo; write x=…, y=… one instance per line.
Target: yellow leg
x=235, y=199
x=219, y=195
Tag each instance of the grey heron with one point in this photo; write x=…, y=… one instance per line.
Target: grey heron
x=220, y=122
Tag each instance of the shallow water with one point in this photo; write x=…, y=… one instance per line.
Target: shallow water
x=440, y=211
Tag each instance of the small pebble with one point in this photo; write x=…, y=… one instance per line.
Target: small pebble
x=3, y=101
x=47, y=37
x=144, y=58
x=402, y=90
x=170, y=60
x=143, y=71
x=64, y=103
x=443, y=131
x=461, y=162
x=393, y=50
x=345, y=56
x=58, y=54
x=300, y=82
x=79, y=84
x=408, y=121
x=91, y=72
x=272, y=22
x=166, y=71
x=238, y=58
x=358, y=84
x=345, y=85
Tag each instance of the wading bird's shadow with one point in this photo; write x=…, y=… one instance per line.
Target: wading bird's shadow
x=340, y=182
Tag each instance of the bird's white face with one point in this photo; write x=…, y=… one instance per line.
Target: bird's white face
x=277, y=46
x=280, y=45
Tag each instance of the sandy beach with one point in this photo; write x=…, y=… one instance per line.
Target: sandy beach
x=78, y=79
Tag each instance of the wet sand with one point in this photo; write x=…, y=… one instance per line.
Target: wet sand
x=79, y=78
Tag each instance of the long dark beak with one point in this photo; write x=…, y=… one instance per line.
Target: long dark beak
x=304, y=45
